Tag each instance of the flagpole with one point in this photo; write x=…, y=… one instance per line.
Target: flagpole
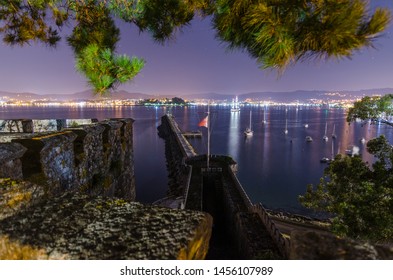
x=208, y=135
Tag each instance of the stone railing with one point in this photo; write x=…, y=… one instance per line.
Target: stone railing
x=238, y=186
x=187, y=187
x=282, y=243
x=187, y=149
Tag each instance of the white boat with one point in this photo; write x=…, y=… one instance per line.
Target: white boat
x=309, y=139
x=362, y=140
x=325, y=160
x=325, y=138
x=334, y=136
x=248, y=131
x=235, y=105
x=306, y=125
x=352, y=151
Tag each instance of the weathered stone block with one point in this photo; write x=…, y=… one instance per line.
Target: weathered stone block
x=74, y=226
x=96, y=157
x=10, y=163
x=17, y=195
x=49, y=160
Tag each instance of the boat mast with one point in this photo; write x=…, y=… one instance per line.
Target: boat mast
x=250, y=121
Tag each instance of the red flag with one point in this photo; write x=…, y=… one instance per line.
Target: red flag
x=204, y=122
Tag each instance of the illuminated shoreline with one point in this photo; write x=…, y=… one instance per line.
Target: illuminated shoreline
x=121, y=103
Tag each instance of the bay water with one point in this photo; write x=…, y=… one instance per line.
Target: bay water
x=274, y=167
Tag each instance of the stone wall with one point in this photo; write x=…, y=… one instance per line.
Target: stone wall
x=95, y=158
x=10, y=160
x=283, y=244
x=78, y=226
x=178, y=172
x=76, y=200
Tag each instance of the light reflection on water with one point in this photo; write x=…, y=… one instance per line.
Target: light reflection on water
x=274, y=168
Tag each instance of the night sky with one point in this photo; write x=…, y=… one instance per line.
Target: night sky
x=195, y=62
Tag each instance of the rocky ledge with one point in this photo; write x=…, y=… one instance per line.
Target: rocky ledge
x=76, y=226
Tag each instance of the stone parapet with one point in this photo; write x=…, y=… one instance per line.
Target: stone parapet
x=10, y=160
x=75, y=226
x=74, y=214
x=176, y=156
x=93, y=157
x=49, y=160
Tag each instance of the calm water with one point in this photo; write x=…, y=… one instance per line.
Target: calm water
x=274, y=167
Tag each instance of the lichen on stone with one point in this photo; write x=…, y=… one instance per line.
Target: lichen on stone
x=105, y=228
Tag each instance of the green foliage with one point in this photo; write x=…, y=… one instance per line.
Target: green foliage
x=275, y=33
x=94, y=26
x=372, y=108
x=178, y=100
x=105, y=70
x=24, y=21
x=360, y=197
x=163, y=101
x=278, y=33
x=163, y=18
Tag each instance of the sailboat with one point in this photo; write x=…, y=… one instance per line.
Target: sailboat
x=235, y=105
x=326, y=159
x=264, y=116
x=286, y=125
x=334, y=136
x=248, y=131
x=325, y=138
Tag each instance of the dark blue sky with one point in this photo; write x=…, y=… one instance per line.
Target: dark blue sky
x=196, y=63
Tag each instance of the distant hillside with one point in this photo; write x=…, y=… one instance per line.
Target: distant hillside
x=84, y=95
x=304, y=95
x=211, y=96
x=121, y=94
x=23, y=96
x=293, y=96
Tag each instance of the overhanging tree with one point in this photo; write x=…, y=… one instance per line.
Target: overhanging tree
x=375, y=109
x=360, y=195
x=276, y=33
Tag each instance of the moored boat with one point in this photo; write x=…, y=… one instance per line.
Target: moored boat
x=248, y=131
